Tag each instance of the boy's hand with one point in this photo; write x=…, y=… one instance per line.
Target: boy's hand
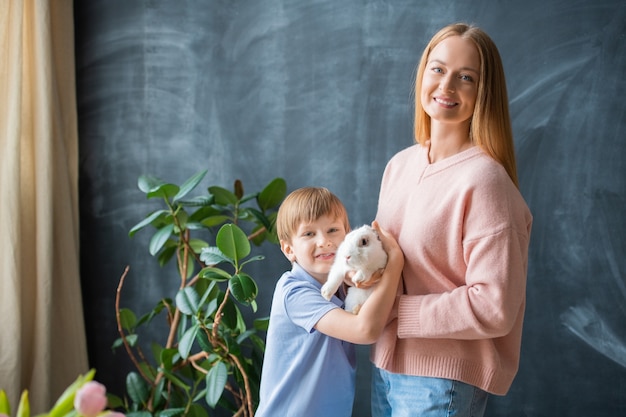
x=376, y=276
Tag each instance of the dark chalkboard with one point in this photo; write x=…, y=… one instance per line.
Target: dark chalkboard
x=319, y=93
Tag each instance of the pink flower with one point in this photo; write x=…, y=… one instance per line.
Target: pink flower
x=90, y=399
x=113, y=414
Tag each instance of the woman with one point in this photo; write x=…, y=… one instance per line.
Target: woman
x=453, y=204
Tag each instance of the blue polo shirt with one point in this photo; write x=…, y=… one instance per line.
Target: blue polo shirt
x=305, y=373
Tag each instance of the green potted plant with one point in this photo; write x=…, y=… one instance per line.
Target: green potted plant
x=211, y=358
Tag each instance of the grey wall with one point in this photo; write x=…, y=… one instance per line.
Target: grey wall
x=319, y=93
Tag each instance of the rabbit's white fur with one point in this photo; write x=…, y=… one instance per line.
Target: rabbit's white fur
x=362, y=252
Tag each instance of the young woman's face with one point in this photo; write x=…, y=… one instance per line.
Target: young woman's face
x=450, y=81
x=314, y=244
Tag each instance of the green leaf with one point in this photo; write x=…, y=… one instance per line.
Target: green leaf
x=169, y=250
x=137, y=388
x=213, y=256
x=160, y=238
x=157, y=396
x=189, y=185
x=208, y=291
x=113, y=401
x=175, y=380
x=147, y=183
x=261, y=324
x=223, y=197
x=186, y=342
x=215, y=381
x=243, y=288
x=169, y=357
x=215, y=220
x=272, y=194
x=170, y=412
x=259, y=343
x=196, y=410
x=147, y=221
x=119, y=342
x=260, y=217
x=23, y=408
x=204, y=212
x=211, y=307
x=146, y=318
x=203, y=341
x=5, y=407
x=243, y=336
x=128, y=319
x=229, y=319
x=252, y=259
x=197, y=245
x=233, y=242
x=187, y=301
x=241, y=327
x=214, y=274
x=166, y=191
x=271, y=234
x=199, y=201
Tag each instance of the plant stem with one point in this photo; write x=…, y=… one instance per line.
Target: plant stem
x=257, y=233
x=218, y=313
x=120, y=330
x=245, y=381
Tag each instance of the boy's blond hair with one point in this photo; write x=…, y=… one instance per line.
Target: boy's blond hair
x=306, y=205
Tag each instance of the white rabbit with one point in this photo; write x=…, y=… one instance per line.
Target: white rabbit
x=362, y=252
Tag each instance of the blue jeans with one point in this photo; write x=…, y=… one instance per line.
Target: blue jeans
x=397, y=395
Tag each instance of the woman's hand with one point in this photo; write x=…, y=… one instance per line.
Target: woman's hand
x=390, y=245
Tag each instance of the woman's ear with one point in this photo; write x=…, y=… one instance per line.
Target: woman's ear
x=287, y=250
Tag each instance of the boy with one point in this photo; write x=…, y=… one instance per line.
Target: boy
x=309, y=365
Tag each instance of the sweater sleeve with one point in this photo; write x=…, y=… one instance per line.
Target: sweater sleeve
x=487, y=306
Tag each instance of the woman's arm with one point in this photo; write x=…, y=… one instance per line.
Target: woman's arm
x=366, y=327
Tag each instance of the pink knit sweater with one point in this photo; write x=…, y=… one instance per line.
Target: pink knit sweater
x=464, y=229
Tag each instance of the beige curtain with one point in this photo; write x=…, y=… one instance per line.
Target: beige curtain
x=42, y=338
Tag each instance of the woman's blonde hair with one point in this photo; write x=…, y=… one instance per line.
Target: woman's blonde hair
x=491, y=123
x=306, y=205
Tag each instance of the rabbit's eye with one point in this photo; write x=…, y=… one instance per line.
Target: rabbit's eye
x=364, y=241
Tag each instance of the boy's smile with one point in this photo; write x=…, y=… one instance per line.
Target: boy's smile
x=314, y=244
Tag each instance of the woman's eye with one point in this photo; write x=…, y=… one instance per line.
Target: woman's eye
x=437, y=70
x=466, y=78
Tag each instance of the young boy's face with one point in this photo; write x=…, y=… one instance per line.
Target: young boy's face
x=314, y=244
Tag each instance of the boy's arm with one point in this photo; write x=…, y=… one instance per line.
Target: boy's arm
x=365, y=327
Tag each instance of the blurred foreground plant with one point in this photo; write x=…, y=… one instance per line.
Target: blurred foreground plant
x=83, y=398
x=210, y=356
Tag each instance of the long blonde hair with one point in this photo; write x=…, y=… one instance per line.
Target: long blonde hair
x=491, y=123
